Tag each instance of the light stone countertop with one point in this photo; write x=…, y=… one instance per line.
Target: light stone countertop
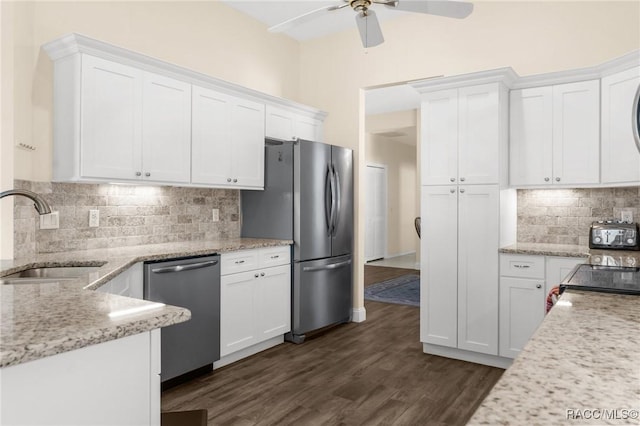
x=39, y=320
x=564, y=250
x=584, y=356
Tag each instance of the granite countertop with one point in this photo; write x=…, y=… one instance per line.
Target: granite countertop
x=39, y=320
x=564, y=250
x=584, y=356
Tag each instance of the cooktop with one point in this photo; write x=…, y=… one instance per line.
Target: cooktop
x=608, y=279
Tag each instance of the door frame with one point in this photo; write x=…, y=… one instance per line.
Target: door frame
x=385, y=172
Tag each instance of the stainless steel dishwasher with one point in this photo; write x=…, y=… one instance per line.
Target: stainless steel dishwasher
x=192, y=283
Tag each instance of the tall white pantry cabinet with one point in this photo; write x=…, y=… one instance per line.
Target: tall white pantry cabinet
x=467, y=212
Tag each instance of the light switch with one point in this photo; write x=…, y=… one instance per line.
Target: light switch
x=50, y=221
x=94, y=218
x=215, y=217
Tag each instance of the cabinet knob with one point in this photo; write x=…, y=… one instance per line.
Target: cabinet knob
x=138, y=174
x=262, y=274
x=235, y=180
x=452, y=179
x=546, y=179
x=462, y=179
x=147, y=174
x=557, y=179
x=256, y=275
x=538, y=285
x=452, y=191
x=462, y=190
x=228, y=179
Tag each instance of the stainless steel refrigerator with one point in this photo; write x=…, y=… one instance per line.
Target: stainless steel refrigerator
x=308, y=198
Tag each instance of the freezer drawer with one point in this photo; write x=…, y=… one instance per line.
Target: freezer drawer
x=321, y=293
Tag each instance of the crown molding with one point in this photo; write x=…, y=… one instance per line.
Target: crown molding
x=506, y=76
x=74, y=43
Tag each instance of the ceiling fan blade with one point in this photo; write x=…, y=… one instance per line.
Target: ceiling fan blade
x=369, y=29
x=450, y=9
x=305, y=17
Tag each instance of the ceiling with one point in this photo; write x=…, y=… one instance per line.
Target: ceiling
x=274, y=12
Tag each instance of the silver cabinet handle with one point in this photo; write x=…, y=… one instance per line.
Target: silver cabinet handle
x=462, y=190
x=452, y=179
x=538, y=285
x=187, y=267
x=138, y=173
x=228, y=179
x=235, y=180
x=324, y=267
x=239, y=262
x=557, y=179
x=452, y=191
x=546, y=179
x=521, y=266
x=275, y=256
x=462, y=179
x=147, y=174
x=262, y=274
x=256, y=275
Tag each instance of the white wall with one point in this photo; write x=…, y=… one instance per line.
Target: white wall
x=531, y=37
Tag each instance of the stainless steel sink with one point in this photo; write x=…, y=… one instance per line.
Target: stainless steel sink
x=48, y=274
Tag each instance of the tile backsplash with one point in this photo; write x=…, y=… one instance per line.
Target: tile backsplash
x=129, y=215
x=563, y=216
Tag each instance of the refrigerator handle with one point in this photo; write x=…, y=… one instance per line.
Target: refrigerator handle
x=334, y=193
x=336, y=218
x=325, y=267
x=328, y=200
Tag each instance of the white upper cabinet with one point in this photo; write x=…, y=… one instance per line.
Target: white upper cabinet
x=228, y=140
x=166, y=129
x=287, y=125
x=133, y=125
x=463, y=135
x=620, y=158
x=554, y=135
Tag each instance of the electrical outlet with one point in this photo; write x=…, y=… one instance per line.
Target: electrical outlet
x=626, y=216
x=94, y=218
x=215, y=217
x=50, y=221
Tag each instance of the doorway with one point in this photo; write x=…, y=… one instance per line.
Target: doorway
x=376, y=213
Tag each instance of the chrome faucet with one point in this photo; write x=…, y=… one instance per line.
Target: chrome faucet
x=38, y=202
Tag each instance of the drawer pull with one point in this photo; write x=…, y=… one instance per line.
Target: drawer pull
x=262, y=274
x=538, y=285
x=256, y=275
x=239, y=262
x=275, y=256
x=521, y=266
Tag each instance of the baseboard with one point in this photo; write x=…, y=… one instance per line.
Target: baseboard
x=246, y=352
x=358, y=315
x=461, y=354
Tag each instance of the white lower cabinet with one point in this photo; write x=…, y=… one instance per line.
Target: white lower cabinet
x=525, y=281
x=111, y=383
x=129, y=283
x=255, y=297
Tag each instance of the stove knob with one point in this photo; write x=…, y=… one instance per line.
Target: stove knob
x=597, y=239
x=630, y=241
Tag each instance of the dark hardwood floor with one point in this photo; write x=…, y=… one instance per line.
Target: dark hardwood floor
x=354, y=374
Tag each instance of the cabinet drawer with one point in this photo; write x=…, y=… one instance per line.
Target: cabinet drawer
x=525, y=266
x=274, y=256
x=238, y=261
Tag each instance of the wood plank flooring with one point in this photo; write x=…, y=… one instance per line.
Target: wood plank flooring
x=372, y=373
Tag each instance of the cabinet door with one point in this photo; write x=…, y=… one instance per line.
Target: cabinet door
x=478, y=241
x=438, y=260
x=280, y=123
x=478, y=134
x=273, y=302
x=247, y=143
x=521, y=313
x=308, y=128
x=576, y=133
x=531, y=136
x=110, y=128
x=620, y=158
x=557, y=268
x=237, y=312
x=439, y=137
x=166, y=129
x=211, y=136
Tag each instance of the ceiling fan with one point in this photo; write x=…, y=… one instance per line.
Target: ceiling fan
x=367, y=22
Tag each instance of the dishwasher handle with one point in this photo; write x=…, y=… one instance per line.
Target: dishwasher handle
x=187, y=267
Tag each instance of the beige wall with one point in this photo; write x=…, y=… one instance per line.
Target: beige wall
x=531, y=37
x=399, y=155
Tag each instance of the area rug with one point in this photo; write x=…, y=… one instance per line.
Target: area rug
x=404, y=290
